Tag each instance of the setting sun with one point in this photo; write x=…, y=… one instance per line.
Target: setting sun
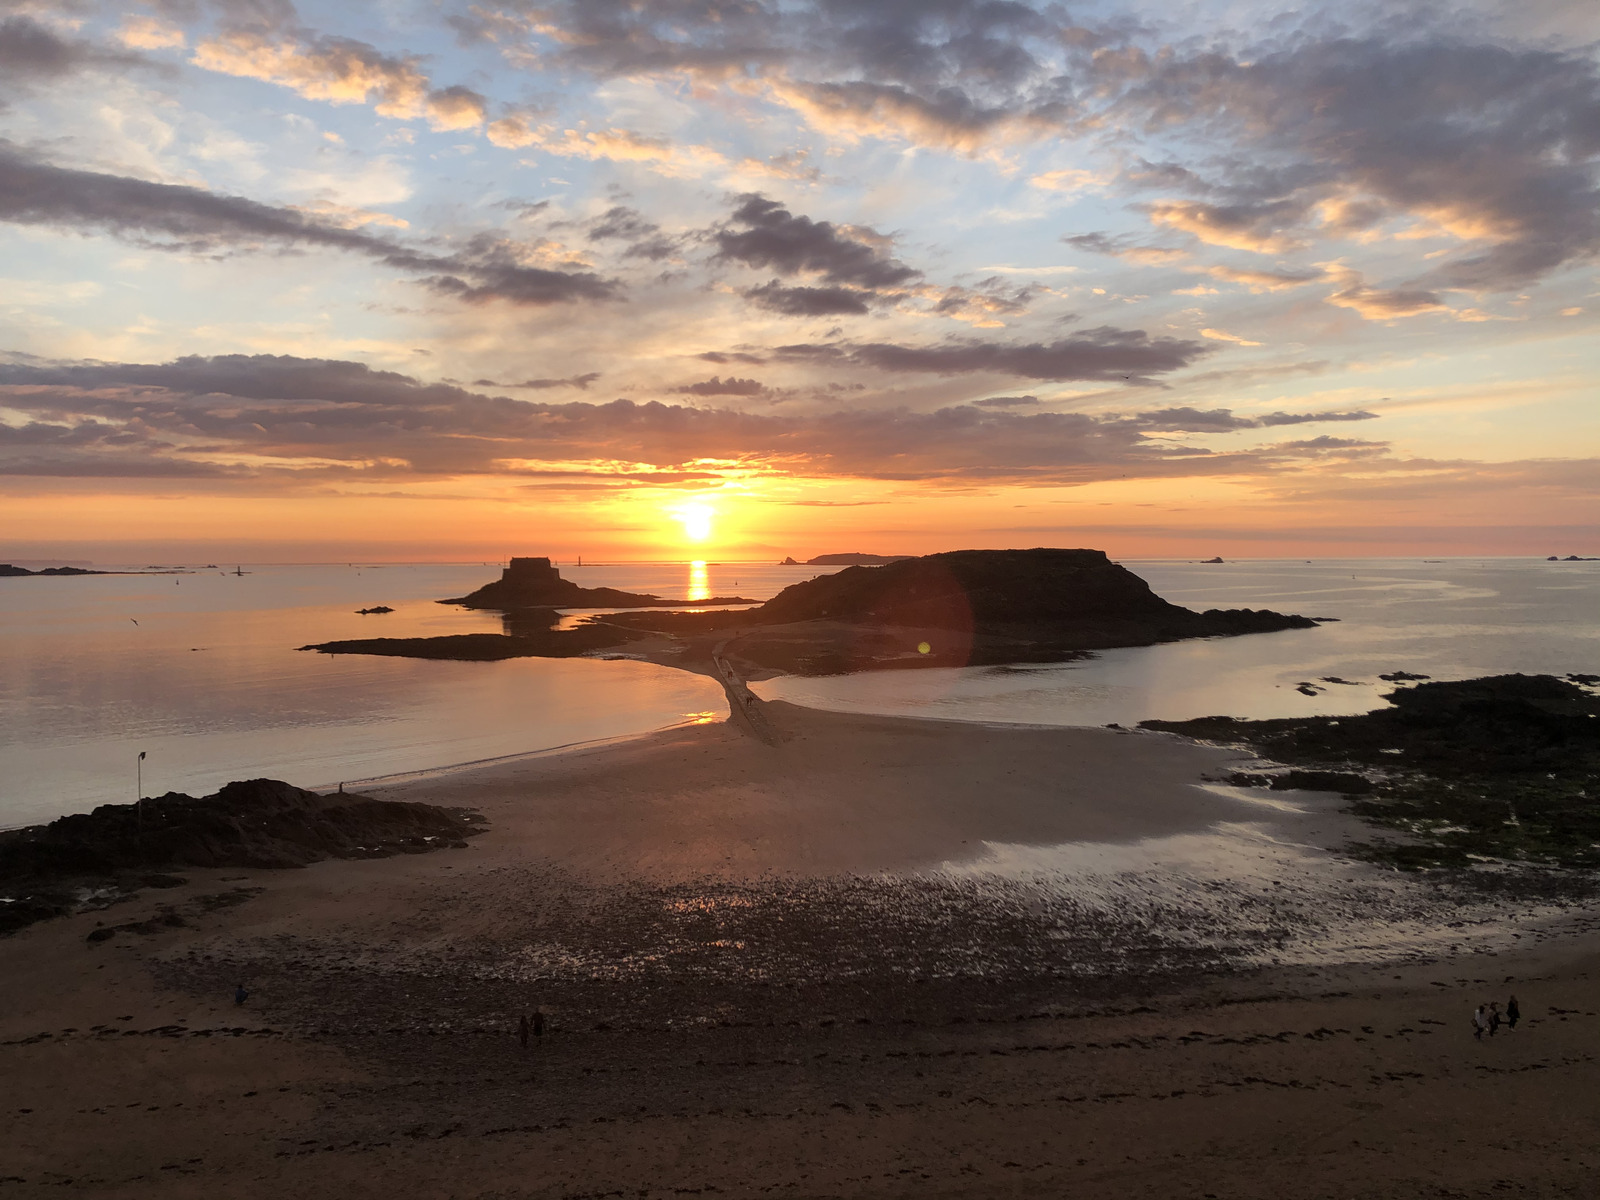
x=696, y=519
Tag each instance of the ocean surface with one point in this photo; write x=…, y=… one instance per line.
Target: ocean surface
x=201, y=671
x=1450, y=619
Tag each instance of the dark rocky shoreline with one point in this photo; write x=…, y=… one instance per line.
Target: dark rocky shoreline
x=1503, y=768
x=95, y=857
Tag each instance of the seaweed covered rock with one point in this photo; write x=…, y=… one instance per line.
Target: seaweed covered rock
x=1506, y=766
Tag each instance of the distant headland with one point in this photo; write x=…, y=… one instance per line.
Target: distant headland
x=846, y=560
x=963, y=608
x=7, y=570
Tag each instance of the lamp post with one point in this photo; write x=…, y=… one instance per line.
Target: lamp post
x=138, y=804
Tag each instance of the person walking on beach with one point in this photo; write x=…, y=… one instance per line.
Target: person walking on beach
x=1513, y=1012
x=538, y=1023
x=239, y=994
x=522, y=1030
x=1494, y=1017
x=1480, y=1021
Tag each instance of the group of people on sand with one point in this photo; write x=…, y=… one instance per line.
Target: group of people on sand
x=1488, y=1018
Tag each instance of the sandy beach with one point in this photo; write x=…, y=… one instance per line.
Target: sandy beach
x=862, y=957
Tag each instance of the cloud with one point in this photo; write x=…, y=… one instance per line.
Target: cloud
x=951, y=74
x=149, y=33
x=1296, y=133
x=621, y=223
x=1006, y=401
x=626, y=145
x=512, y=131
x=581, y=382
x=31, y=52
x=985, y=302
x=763, y=234
x=730, y=356
x=1122, y=246
x=1219, y=335
x=179, y=217
x=1257, y=227
x=809, y=301
x=1104, y=354
x=1218, y=420
x=1066, y=180
x=342, y=71
x=1267, y=281
x=731, y=386
x=1494, y=144
x=1381, y=304
x=948, y=118
x=293, y=419
x=1282, y=418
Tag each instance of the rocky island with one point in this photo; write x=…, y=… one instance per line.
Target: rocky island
x=964, y=608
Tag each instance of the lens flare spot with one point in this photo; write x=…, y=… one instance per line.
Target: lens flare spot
x=924, y=648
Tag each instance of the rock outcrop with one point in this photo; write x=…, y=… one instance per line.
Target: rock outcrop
x=534, y=583
x=255, y=823
x=1506, y=767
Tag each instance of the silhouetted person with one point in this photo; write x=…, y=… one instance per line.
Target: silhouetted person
x=538, y=1023
x=522, y=1030
x=1480, y=1022
x=239, y=994
x=1494, y=1017
x=1513, y=1012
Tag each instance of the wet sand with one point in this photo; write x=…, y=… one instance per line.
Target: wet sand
x=876, y=957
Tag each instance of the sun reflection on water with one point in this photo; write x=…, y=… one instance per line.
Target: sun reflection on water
x=699, y=581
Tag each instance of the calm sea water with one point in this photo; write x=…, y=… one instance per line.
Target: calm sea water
x=201, y=670
x=1453, y=619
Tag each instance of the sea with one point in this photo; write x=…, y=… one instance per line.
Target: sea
x=183, y=678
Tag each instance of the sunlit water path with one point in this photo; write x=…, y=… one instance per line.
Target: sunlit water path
x=200, y=670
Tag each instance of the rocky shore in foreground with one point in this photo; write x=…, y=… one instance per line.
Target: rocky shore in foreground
x=1503, y=768
x=89, y=859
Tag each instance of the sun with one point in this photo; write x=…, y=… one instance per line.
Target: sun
x=696, y=520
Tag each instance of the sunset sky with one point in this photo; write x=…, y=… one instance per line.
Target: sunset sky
x=436, y=279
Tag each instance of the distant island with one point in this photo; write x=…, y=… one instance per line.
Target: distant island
x=846, y=560
x=534, y=583
x=964, y=608
x=6, y=569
